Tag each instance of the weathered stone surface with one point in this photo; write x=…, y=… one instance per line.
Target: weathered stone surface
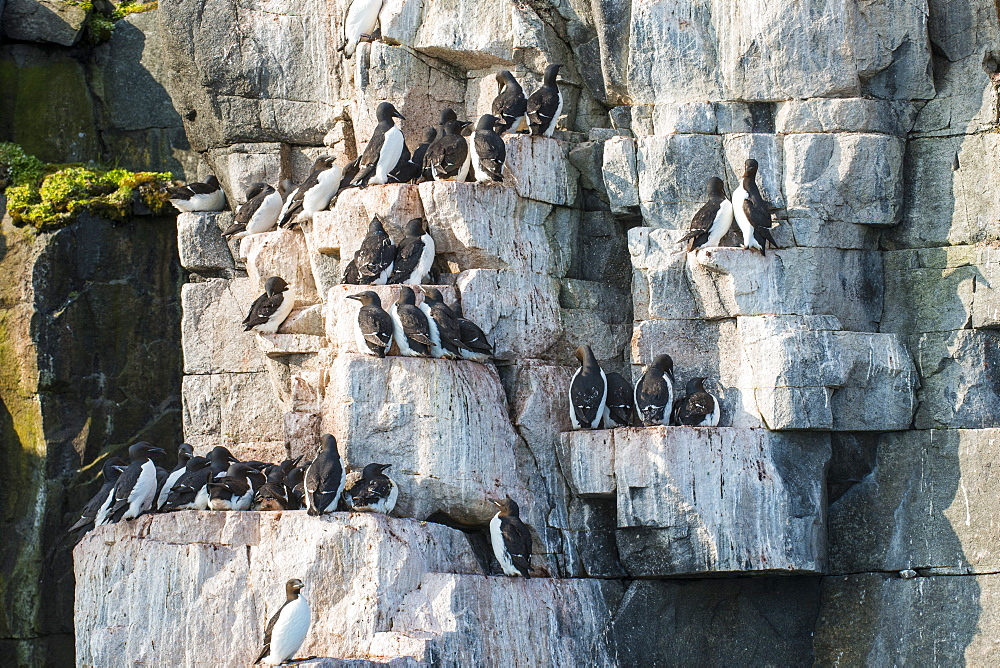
x=211, y=334
x=958, y=375
x=928, y=502
x=239, y=166
x=942, y=289
x=694, y=500
x=764, y=147
x=724, y=622
x=846, y=177
x=620, y=176
x=518, y=311
x=341, y=230
x=672, y=172
x=200, y=244
x=43, y=21
x=878, y=619
x=405, y=412
x=276, y=346
x=281, y=253
x=231, y=408
x=588, y=459
x=853, y=114
x=539, y=169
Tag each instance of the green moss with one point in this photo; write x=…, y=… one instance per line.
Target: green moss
x=99, y=28
x=127, y=8
x=47, y=197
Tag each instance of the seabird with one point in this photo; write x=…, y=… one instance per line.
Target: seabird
x=373, y=261
x=359, y=23
x=373, y=329
x=207, y=196
x=476, y=346
x=752, y=213
x=185, y=492
x=410, y=327
x=414, y=164
x=414, y=254
x=510, y=107
x=654, y=392
x=235, y=490
x=488, y=151
x=184, y=454
x=111, y=471
x=288, y=627
x=258, y=214
x=350, y=173
x=697, y=408
x=447, y=115
x=325, y=478
x=545, y=104
x=375, y=492
x=135, y=490
x=271, y=308
x=511, y=539
x=381, y=155
x=313, y=195
x=712, y=220
x=588, y=391
x=444, y=329
x=296, y=483
x=274, y=494
x=618, y=407
x=351, y=275
x=449, y=157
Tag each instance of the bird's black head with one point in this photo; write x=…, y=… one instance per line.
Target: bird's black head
x=256, y=189
x=508, y=507
x=447, y=115
x=696, y=385
x=486, y=122
x=433, y=294
x=143, y=450
x=323, y=162
x=551, y=72
x=113, y=468
x=406, y=296
x=186, y=450
x=750, y=168
x=376, y=226
x=584, y=354
x=716, y=187
x=197, y=464
x=367, y=298
x=292, y=588
x=240, y=469
x=212, y=181
x=455, y=127
x=386, y=112
x=329, y=442
x=221, y=455
x=373, y=470
x=430, y=134
x=414, y=227
x=665, y=364
x=275, y=285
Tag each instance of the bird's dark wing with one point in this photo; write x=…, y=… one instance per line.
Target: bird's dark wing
x=408, y=254
x=366, y=493
x=508, y=106
x=492, y=153
x=263, y=309
x=757, y=212
x=652, y=396
x=247, y=210
x=414, y=322
x=376, y=253
x=199, y=188
x=369, y=158
x=178, y=192
x=233, y=229
x=585, y=393
x=542, y=107
x=295, y=201
x=473, y=337
x=694, y=407
x=401, y=166
x=122, y=490
x=89, y=512
x=324, y=473
x=451, y=155
x=448, y=330
x=376, y=327
x=517, y=539
x=267, y=633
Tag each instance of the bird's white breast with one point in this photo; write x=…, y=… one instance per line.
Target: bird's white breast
x=392, y=147
x=290, y=630
x=143, y=492
x=569, y=399
x=319, y=196
x=500, y=548
x=266, y=217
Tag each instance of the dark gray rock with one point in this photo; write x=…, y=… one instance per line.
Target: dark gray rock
x=49, y=21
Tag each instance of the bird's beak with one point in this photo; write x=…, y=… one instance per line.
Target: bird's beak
x=233, y=459
x=356, y=297
x=399, y=115
x=494, y=502
x=119, y=468
x=160, y=450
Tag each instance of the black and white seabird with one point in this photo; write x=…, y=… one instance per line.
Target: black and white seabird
x=410, y=327
x=271, y=308
x=359, y=24
x=296, y=482
x=351, y=275
x=235, y=490
x=511, y=539
x=488, y=151
x=287, y=629
x=510, y=107
x=135, y=490
x=350, y=173
x=325, y=478
x=654, y=392
x=184, y=493
x=373, y=329
x=713, y=220
x=618, y=407
x=414, y=165
x=752, y=213
x=184, y=454
x=258, y=214
x=414, y=254
x=381, y=154
x=313, y=195
x=449, y=156
x=111, y=471
x=588, y=391
x=476, y=346
x=444, y=328
x=374, y=260
x=375, y=492
x=207, y=196
x=698, y=407
x=275, y=494
x=447, y=115
x=545, y=104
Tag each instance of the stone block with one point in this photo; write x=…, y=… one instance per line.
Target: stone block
x=844, y=177
x=942, y=289
x=588, y=461
x=342, y=229
x=443, y=426
x=882, y=620
x=621, y=179
x=928, y=502
x=855, y=114
x=539, y=169
x=277, y=346
x=211, y=331
x=48, y=21
x=305, y=320
x=200, y=244
x=240, y=166
x=767, y=150
x=960, y=387
x=231, y=408
x=281, y=253
x=673, y=170
x=700, y=500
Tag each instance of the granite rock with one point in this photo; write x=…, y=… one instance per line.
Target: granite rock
x=620, y=173
x=212, y=335
x=231, y=408
x=47, y=21
x=200, y=244
x=281, y=253
x=958, y=375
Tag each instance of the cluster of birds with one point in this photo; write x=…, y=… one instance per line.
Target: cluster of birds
x=715, y=218
x=606, y=400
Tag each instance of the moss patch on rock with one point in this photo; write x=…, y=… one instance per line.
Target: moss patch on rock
x=50, y=196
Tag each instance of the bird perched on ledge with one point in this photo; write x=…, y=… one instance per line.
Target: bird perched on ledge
x=588, y=391
x=381, y=154
x=288, y=627
x=325, y=478
x=654, y=392
x=752, y=213
x=510, y=107
x=373, y=329
x=511, y=539
x=375, y=492
x=545, y=104
x=270, y=309
x=207, y=196
x=713, y=220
